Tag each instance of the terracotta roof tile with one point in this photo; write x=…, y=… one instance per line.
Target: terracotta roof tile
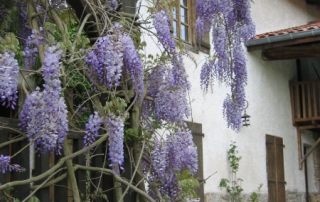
x=309, y=26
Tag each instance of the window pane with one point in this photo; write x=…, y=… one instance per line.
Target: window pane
x=184, y=15
x=174, y=13
x=175, y=29
x=184, y=32
x=184, y=2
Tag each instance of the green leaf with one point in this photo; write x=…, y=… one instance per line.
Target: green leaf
x=4, y=25
x=34, y=199
x=16, y=200
x=51, y=37
x=15, y=8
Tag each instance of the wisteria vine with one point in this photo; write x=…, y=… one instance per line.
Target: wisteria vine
x=231, y=24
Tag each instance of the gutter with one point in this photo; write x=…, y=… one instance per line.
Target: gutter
x=283, y=37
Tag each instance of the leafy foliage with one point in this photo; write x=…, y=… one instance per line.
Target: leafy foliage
x=233, y=185
x=93, y=75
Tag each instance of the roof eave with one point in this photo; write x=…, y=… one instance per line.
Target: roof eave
x=283, y=40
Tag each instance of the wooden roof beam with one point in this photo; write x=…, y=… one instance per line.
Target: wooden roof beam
x=292, y=52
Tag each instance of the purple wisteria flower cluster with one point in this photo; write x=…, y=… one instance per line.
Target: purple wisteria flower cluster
x=30, y=50
x=168, y=83
x=161, y=23
x=115, y=131
x=231, y=24
x=114, y=57
x=44, y=113
x=105, y=61
x=92, y=129
x=9, y=71
x=179, y=77
x=113, y=4
x=5, y=165
x=170, y=100
x=132, y=64
x=167, y=158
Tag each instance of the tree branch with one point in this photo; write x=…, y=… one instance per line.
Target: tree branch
x=119, y=179
x=12, y=141
x=39, y=186
x=72, y=177
x=56, y=166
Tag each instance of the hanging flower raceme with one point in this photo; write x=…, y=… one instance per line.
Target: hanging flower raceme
x=92, y=129
x=161, y=23
x=132, y=64
x=9, y=71
x=171, y=105
x=104, y=63
x=179, y=77
x=115, y=131
x=113, y=4
x=115, y=56
x=169, y=92
x=30, y=50
x=230, y=24
x=5, y=165
x=174, y=155
x=44, y=114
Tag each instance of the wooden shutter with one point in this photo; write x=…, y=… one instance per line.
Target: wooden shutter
x=275, y=169
x=205, y=43
x=197, y=135
x=129, y=6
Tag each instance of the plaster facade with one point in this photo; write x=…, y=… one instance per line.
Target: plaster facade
x=268, y=95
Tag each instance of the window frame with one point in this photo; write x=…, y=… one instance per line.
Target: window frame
x=191, y=43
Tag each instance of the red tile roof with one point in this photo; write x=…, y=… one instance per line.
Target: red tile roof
x=309, y=26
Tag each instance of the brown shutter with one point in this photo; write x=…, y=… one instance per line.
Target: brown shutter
x=205, y=43
x=129, y=6
x=197, y=135
x=275, y=169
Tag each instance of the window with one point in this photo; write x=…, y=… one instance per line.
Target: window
x=181, y=21
x=183, y=25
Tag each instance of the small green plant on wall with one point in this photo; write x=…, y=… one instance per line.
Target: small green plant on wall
x=254, y=197
x=233, y=185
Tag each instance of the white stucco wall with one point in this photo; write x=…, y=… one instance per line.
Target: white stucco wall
x=272, y=15
x=269, y=106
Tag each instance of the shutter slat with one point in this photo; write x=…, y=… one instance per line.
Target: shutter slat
x=196, y=130
x=275, y=169
x=129, y=6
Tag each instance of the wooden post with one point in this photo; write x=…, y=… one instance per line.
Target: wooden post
x=299, y=148
x=310, y=150
x=292, y=101
x=315, y=109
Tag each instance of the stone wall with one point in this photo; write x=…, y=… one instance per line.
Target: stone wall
x=314, y=197
x=291, y=196
x=213, y=197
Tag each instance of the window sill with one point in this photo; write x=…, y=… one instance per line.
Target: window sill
x=195, y=49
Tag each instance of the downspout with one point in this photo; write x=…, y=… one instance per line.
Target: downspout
x=283, y=37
